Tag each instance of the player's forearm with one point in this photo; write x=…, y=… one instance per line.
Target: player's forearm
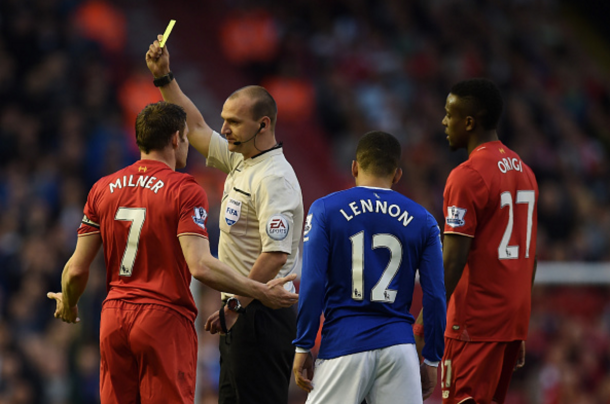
x=220, y=276
x=73, y=283
x=453, y=273
x=266, y=268
x=311, y=304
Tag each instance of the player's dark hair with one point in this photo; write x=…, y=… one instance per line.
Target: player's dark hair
x=378, y=153
x=156, y=124
x=264, y=104
x=484, y=98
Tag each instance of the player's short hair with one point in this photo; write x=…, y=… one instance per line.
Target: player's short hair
x=264, y=104
x=484, y=99
x=378, y=153
x=156, y=124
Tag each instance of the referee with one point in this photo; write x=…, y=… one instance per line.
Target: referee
x=260, y=221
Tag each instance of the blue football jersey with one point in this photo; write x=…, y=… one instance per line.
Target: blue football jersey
x=362, y=248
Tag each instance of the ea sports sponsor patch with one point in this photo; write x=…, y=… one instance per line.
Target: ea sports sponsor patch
x=277, y=227
x=200, y=216
x=455, y=216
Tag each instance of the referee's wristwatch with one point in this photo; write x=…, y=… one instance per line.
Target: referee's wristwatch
x=235, y=305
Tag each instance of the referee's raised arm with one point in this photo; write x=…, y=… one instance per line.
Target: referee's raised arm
x=157, y=60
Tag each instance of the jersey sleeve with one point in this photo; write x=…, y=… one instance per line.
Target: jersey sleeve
x=219, y=155
x=431, y=275
x=193, y=209
x=276, y=203
x=316, y=250
x=91, y=221
x=465, y=196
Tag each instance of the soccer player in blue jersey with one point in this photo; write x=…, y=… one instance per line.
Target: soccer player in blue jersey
x=362, y=248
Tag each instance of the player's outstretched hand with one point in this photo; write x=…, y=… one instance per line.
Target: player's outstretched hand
x=428, y=380
x=157, y=58
x=303, y=370
x=66, y=314
x=276, y=296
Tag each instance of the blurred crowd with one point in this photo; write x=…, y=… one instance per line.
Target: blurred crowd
x=70, y=86
x=390, y=64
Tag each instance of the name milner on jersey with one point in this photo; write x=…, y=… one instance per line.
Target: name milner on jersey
x=143, y=181
x=367, y=205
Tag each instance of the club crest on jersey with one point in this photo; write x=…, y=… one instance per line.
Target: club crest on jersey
x=233, y=211
x=455, y=216
x=277, y=227
x=199, y=217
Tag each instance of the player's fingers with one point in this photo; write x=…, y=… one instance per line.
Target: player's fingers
x=303, y=383
x=290, y=277
x=159, y=37
x=54, y=296
x=208, y=325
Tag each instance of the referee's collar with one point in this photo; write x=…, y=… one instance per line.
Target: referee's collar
x=277, y=149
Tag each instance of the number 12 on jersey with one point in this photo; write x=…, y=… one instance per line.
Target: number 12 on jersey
x=136, y=216
x=380, y=292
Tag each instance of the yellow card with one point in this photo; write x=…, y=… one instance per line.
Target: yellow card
x=168, y=31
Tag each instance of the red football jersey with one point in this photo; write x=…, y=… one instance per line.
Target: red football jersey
x=493, y=198
x=140, y=211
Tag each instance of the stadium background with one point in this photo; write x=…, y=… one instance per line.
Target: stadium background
x=73, y=77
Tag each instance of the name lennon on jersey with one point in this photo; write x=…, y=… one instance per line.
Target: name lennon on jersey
x=143, y=181
x=366, y=205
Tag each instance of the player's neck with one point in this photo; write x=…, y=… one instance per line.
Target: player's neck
x=483, y=137
x=162, y=157
x=372, y=181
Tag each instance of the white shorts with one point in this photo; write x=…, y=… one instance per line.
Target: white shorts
x=387, y=375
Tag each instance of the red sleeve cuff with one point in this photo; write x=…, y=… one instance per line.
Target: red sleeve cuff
x=418, y=329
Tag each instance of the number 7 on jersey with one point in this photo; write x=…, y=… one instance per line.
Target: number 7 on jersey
x=136, y=216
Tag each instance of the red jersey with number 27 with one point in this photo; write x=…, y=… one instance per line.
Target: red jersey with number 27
x=493, y=198
x=140, y=211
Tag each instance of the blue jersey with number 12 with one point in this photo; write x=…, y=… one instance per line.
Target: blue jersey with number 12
x=362, y=248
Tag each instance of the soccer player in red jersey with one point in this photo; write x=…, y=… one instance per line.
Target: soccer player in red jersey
x=151, y=221
x=489, y=252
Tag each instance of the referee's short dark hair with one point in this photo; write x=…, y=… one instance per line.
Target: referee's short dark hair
x=378, y=153
x=263, y=102
x=156, y=124
x=484, y=99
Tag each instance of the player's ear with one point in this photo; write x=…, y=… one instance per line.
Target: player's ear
x=397, y=175
x=176, y=139
x=470, y=123
x=355, y=168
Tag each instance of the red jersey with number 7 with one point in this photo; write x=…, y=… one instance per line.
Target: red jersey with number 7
x=493, y=198
x=140, y=211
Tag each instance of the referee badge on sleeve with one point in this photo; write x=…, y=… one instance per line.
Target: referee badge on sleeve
x=277, y=227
